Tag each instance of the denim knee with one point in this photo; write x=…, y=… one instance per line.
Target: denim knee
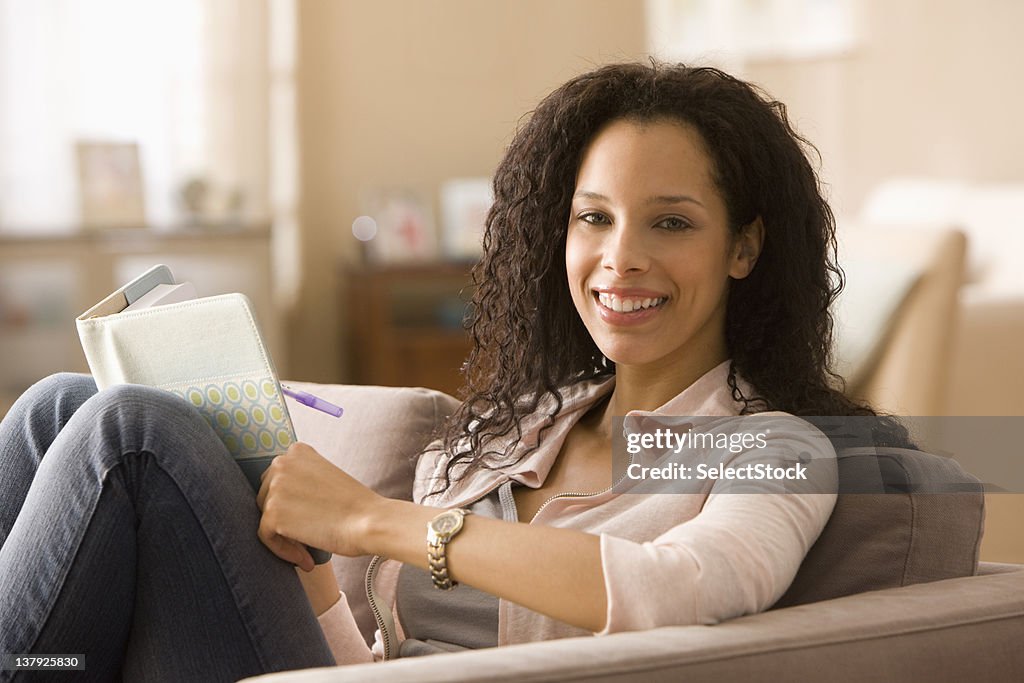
x=136, y=403
x=142, y=418
x=55, y=398
x=141, y=397
x=29, y=429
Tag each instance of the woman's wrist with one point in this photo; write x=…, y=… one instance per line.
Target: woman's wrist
x=397, y=529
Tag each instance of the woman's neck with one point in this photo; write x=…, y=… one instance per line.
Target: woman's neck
x=648, y=388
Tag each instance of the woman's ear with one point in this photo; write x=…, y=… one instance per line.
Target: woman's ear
x=747, y=247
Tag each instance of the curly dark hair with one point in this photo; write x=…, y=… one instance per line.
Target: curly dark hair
x=528, y=339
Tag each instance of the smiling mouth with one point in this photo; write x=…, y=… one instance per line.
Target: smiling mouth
x=627, y=305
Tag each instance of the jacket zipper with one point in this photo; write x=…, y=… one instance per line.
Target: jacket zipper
x=384, y=622
x=378, y=615
x=577, y=494
x=572, y=494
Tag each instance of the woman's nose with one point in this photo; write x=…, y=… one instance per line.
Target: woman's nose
x=625, y=251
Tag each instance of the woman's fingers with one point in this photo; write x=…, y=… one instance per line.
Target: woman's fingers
x=270, y=532
x=285, y=548
x=271, y=471
x=303, y=496
x=261, y=495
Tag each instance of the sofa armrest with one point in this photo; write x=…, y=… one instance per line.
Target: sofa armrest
x=950, y=630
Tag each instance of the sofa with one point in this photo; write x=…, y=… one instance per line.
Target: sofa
x=891, y=591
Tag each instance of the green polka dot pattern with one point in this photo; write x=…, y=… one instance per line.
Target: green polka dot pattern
x=248, y=415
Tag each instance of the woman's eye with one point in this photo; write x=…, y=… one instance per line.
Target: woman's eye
x=594, y=218
x=674, y=223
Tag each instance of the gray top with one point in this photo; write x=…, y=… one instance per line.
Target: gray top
x=447, y=621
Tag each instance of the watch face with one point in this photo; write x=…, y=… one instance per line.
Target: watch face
x=447, y=523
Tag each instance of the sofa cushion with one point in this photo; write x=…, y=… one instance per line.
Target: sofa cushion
x=376, y=441
x=902, y=517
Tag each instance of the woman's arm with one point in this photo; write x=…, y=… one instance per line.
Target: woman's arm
x=556, y=572
x=306, y=499
x=321, y=587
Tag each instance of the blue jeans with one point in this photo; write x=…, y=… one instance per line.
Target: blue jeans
x=128, y=534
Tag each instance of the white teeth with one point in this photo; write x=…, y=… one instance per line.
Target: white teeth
x=621, y=305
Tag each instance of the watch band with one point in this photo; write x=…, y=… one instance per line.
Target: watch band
x=440, y=531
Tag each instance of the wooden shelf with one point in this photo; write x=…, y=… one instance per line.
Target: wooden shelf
x=169, y=233
x=404, y=324
x=46, y=280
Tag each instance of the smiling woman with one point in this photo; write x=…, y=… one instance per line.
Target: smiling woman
x=658, y=181
x=649, y=257
x=657, y=247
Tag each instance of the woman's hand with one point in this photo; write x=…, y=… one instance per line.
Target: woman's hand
x=306, y=500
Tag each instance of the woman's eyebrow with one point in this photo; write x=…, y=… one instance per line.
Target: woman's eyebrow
x=657, y=199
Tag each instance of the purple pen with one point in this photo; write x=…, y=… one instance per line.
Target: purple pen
x=312, y=401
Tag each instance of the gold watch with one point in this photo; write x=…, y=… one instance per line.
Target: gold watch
x=440, y=531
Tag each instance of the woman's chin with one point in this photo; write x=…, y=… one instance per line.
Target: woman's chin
x=628, y=358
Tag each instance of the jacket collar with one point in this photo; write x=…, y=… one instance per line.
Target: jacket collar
x=709, y=395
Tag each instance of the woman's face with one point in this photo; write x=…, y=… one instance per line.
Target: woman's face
x=649, y=253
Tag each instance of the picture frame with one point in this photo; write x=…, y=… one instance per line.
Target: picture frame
x=110, y=185
x=406, y=232
x=464, y=206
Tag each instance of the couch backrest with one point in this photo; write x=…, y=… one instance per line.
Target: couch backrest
x=902, y=517
x=376, y=441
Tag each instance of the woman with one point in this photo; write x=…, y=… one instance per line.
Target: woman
x=658, y=245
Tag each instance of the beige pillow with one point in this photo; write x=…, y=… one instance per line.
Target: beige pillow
x=902, y=517
x=376, y=441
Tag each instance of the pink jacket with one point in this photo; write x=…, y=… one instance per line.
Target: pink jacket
x=668, y=558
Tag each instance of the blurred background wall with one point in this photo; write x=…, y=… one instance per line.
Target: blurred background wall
x=924, y=91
